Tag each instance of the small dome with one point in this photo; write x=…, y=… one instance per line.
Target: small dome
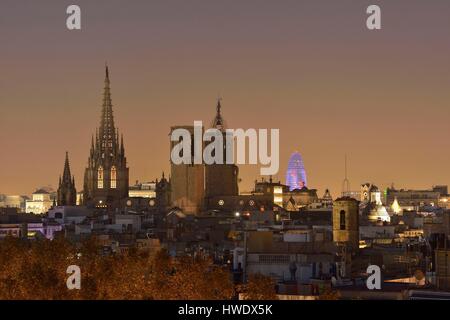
x=379, y=212
x=41, y=191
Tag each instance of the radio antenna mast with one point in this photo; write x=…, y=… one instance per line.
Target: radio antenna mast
x=346, y=182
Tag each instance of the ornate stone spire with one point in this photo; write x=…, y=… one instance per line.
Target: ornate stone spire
x=122, y=148
x=218, y=122
x=107, y=131
x=67, y=177
x=66, y=195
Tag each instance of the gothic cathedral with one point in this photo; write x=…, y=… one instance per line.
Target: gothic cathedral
x=106, y=177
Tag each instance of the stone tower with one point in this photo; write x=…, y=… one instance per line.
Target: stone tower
x=162, y=194
x=187, y=180
x=106, y=176
x=67, y=194
x=221, y=179
x=346, y=222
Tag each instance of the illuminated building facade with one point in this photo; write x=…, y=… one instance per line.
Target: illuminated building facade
x=296, y=174
x=377, y=211
x=13, y=201
x=275, y=190
x=41, y=202
x=413, y=199
x=395, y=207
x=143, y=190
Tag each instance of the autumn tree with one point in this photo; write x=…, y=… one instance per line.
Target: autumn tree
x=37, y=270
x=259, y=287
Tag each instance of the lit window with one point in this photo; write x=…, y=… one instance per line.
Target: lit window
x=113, y=177
x=100, y=177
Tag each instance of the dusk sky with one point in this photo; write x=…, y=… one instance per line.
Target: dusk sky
x=309, y=68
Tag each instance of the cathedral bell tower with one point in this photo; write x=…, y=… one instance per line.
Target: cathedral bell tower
x=220, y=179
x=106, y=176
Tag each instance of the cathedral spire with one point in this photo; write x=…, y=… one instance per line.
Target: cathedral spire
x=66, y=195
x=92, y=146
x=107, y=90
x=107, y=130
x=218, y=121
x=66, y=174
x=117, y=139
x=122, y=148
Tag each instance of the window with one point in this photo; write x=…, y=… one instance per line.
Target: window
x=100, y=177
x=274, y=259
x=342, y=220
x=113, y=177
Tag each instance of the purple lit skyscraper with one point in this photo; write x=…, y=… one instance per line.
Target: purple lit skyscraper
x=296, y=174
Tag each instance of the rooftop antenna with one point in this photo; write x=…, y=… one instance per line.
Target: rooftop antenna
x=346, y=182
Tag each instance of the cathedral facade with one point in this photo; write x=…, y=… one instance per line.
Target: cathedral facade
x=106, y=176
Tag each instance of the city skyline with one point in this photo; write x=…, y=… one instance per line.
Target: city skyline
x=213, y=158
x=303, y=74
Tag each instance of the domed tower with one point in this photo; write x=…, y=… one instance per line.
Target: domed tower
x=106, y=177
x=346, y=222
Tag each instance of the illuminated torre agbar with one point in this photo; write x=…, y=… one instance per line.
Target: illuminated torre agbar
x=296, y=174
